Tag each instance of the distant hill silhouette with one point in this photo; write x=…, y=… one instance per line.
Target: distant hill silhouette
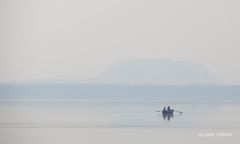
x=156, y=71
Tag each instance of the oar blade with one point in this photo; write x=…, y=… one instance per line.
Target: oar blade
x=178, y=111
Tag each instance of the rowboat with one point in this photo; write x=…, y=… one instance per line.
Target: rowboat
x=168, y=112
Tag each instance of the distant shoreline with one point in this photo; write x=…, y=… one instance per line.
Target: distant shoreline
x=111, y=92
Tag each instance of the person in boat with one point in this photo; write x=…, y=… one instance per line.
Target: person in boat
x=168, y=109
x=164, y=110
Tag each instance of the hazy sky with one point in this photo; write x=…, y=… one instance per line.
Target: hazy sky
x=74, y=39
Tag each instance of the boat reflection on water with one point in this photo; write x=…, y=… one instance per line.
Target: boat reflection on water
x=167, y=115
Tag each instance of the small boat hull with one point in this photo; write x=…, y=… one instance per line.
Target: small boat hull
x=168, y=112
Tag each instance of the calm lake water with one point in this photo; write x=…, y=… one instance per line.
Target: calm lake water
x=117, y=122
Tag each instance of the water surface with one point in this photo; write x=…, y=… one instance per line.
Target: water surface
x=117, y=114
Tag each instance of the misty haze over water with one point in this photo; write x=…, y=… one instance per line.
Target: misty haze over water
x=101, y=71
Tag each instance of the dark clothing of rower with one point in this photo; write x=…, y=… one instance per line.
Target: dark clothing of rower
x=168, y=109
x=164, y=109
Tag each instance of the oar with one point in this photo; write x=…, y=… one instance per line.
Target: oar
x=178, y=111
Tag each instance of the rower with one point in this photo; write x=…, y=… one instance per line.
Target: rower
x=168, y=109
x=164, y=109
